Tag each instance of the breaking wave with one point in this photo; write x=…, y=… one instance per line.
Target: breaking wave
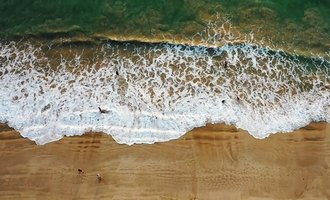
x=158, y=92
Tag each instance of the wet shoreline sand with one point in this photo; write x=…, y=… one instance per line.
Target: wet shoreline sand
x=212, y=162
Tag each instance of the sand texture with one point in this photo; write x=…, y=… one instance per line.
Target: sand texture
x=213, y=162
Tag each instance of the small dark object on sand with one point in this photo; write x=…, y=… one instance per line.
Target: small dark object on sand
x=117, y=73
x=80, y=171
x=238, y=98
x=223, y=101
x=102, y=110
x=99, y=178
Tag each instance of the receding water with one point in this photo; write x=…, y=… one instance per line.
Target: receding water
x=158, y=92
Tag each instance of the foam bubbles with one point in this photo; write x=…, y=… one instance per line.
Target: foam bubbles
x=158, y=92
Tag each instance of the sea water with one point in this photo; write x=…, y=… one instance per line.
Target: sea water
x=158, y=92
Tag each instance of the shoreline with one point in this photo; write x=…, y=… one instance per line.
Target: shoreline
x=211, y=162
x=210, y=127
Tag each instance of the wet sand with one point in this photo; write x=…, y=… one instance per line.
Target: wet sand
x=213, y=162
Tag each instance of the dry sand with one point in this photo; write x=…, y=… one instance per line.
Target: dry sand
x=213, y=162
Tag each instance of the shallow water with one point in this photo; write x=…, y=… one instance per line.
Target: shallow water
x=158, y=92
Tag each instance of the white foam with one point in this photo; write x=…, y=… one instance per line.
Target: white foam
x=162, y=91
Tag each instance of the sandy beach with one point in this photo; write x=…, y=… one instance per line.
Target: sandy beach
x=212, y=162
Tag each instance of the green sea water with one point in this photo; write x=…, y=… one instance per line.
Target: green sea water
x=301, y=24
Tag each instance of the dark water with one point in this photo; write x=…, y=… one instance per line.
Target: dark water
x=292, y=25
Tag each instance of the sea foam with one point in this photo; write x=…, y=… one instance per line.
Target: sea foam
x=161, y=90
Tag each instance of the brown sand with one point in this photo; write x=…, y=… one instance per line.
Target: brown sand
x=214, y=162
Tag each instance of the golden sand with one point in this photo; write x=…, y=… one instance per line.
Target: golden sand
x=213, y=162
